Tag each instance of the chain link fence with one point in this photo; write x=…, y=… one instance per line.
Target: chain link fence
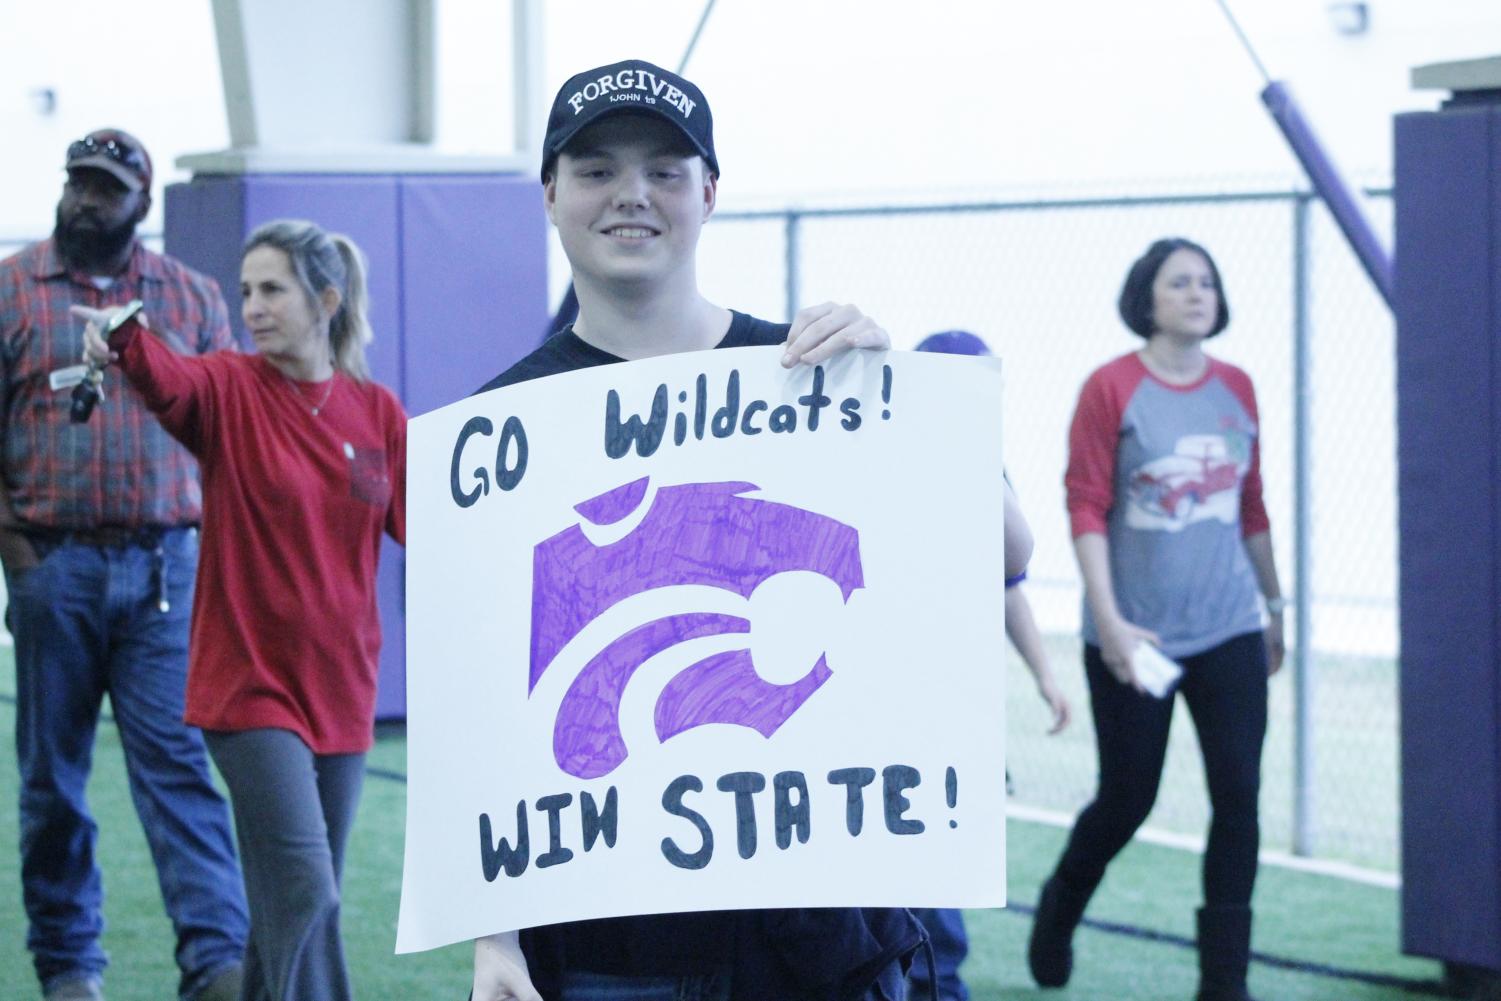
x=1038, y=280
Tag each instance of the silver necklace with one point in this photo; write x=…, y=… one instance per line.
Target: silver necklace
x=314, y=407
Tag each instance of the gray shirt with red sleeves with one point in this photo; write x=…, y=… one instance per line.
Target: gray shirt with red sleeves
x=1171, y=476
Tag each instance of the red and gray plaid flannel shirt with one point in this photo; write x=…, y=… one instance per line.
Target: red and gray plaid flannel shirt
x=120, y=469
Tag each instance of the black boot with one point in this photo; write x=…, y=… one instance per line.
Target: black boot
x=1224, y=953
x=1050, y=950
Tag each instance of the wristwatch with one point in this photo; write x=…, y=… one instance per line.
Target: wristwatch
x=1275, y=606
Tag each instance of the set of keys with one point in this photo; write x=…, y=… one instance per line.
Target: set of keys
x=87, y=380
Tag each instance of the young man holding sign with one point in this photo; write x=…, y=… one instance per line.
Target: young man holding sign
x=629, y=178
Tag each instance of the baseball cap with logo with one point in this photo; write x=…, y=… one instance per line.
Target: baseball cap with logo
x=633, y=86
x=115, y=152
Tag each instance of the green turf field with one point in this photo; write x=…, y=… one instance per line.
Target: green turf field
x=1349, y=929
x=1355, y=741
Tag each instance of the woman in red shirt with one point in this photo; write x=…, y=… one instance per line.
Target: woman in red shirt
x=303, y=463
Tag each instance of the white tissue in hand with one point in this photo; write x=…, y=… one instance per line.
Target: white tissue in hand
x=1155, y=671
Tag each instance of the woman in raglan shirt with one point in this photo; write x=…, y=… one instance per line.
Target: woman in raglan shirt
x=304, y=469
x=1173, y=542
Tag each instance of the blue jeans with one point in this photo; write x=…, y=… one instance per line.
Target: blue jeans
x=87, y=622
x=950, y=945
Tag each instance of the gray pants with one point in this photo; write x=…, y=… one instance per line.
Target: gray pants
x=293, y=810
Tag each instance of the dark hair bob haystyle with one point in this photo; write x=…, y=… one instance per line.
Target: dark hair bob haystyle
x=1136, y=295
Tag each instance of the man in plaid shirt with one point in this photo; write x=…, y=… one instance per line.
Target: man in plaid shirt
x=99, y=543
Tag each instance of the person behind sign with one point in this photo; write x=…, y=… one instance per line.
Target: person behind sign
x=945, y=926
x=1173, y=541
x=304, y=465
x=1021, y=625
x=629, y=185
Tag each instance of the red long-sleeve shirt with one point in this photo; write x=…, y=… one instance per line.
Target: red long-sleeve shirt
x=285, y=630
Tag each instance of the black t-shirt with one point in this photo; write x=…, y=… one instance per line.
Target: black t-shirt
x=566, y=351
x=806, y=952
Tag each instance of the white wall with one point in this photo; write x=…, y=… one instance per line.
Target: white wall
x=149, y=67
x=846, y=99
x=841, y=98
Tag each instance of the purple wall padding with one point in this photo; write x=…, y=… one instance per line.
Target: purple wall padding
x=458, y=290
x=201, y=216
x=476, y=281
x=366, y=209
x=1330, y=186
x=1448, y=305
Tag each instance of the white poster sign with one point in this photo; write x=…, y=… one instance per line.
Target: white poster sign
x=699, y=632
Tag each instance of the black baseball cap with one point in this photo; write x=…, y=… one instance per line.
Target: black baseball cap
x=635, y=86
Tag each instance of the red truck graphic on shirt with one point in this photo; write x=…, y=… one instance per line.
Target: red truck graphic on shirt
x=1200, y=480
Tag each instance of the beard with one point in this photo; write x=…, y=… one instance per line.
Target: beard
x=85, y=244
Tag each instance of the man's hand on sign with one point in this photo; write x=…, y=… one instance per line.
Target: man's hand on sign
x=820, y=332
x=500, y=972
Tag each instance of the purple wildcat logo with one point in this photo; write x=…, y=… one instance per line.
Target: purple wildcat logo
x=694, y=533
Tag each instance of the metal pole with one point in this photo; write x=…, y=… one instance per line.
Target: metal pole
x=1326, y=179
x=1331, y=187
x=790, y=236
x=528, y=78
x=698, y=29
x=1245, y=42
x=1302, y=651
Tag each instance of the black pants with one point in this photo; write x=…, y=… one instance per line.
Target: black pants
x=1226, y=691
